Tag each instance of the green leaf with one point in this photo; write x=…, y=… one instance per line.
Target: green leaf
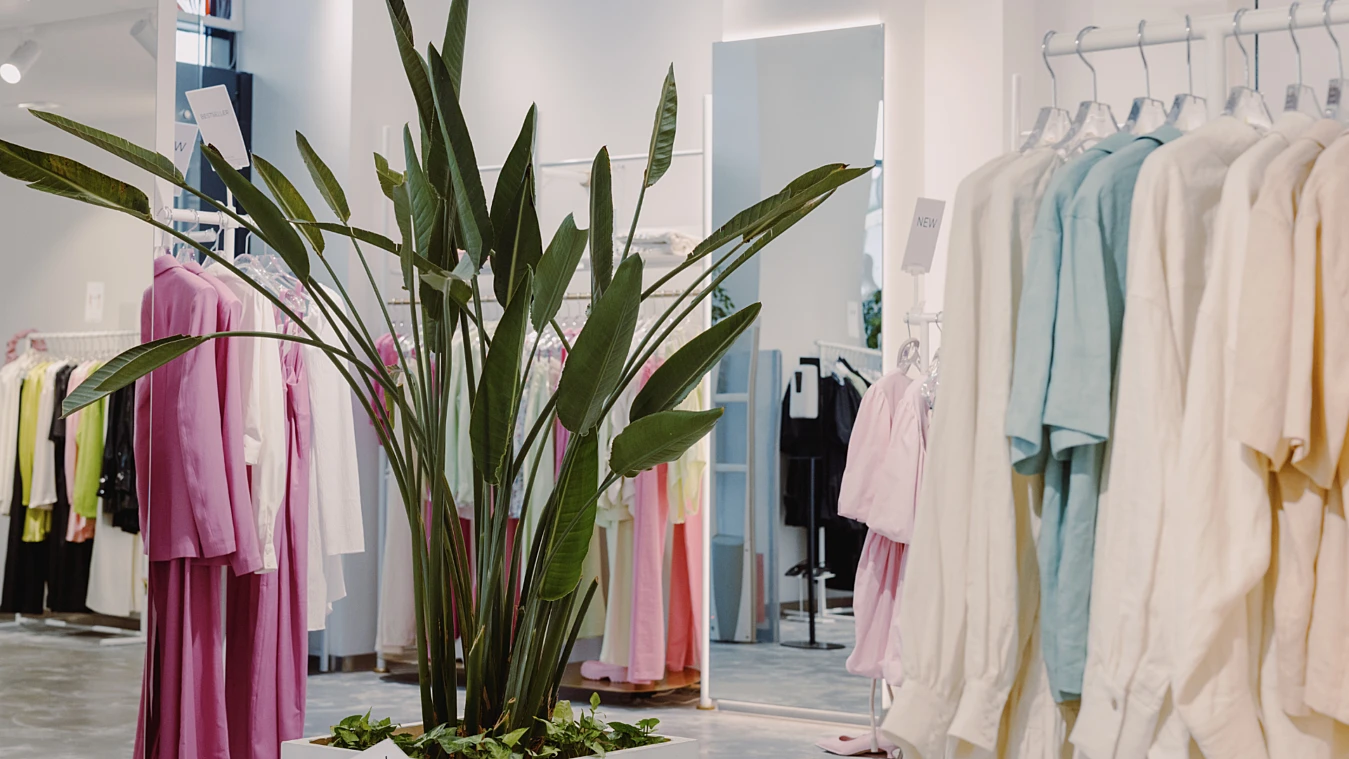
x=356, y=233
x=407, y=247
x=413, y=65
x=452, y=283
x=670, y=384
x=573, y=507
x=425, y=204
x=324, y=179
x=513, y=185
x=595, y=365
x=127, y=367
x=810, y=185
x=388, y=178
x=601, y=224
x=492, y=420
x=470, y=202
x=456, y=31
x=275, y=230
x=522, y=253
x=62, y=176
x=556, y=269
x=290, y=199
x=659, y=439
x=133, y=154
x=663, y=132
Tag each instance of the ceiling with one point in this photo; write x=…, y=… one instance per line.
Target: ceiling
x=90, y=65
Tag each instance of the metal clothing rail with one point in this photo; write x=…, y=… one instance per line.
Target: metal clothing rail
x=1208, y=28
x=588, y=161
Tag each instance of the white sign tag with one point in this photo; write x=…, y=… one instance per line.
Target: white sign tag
x=804, y=401
x=219, y=124
x=927, y=215
x=184, y=142
x=385, y=749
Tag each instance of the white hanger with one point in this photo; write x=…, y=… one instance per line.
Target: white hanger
x=1147, y=113
x=1053, y=123
x=1243, y=102
x=1094, y=121
x=1300, y=97
x=1188, y=111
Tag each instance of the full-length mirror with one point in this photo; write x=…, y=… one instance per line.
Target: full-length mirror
x=783, y=105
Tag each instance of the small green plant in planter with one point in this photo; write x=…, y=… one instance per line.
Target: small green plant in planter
x=516, y=646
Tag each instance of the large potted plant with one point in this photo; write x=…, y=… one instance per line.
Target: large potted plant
x=515, y=646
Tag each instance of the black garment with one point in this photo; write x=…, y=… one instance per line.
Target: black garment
x=68, y=574
x=117, y=485
x=825, y=439
x=25, y=563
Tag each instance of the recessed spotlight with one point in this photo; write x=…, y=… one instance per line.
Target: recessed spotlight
x=41, y=105
x=20, y=61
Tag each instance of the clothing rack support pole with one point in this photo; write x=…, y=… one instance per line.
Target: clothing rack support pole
x=812, y=558
x=705, y=603
x=229, y=228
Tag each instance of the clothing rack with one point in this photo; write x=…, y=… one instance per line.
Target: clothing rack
x=568, y=296
x=628, y=157
x=224, y=221
x=865, y=358
x=1213, y=30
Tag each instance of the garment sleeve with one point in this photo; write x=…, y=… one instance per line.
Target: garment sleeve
x=867, y=452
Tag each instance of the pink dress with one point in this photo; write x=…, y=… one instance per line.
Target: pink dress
x=268, y=635
x=880, y=487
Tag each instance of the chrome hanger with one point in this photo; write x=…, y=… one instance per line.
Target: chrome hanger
x=1188, y=111
x=1334, y=90
x=1146, y=114
x=1300, y=97
x=1244, y=103
x=1094, y=121
x=1053, y=123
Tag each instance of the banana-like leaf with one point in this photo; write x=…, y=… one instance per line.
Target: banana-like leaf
x=470, y=201
x=555, y=271
x=425, y=204
x=595, y=365
x=457, y=290
x=128, y=151
x=506, y=198
x=291, y=201
x=276, y=230
x=356, y=233
x=127, y=367
x=663, y=133
x=59, y=175
x=492, y=420
x=323, y=177
x=659, y=439
x=799, y=191
x=573, y=508
x=388, y=178
x=407, y=248
x=672, y=382
x=456, y=31
x=509, y=264
x=601, y=224
x=413, y=65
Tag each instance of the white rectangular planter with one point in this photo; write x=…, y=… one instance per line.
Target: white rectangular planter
x=675, y=748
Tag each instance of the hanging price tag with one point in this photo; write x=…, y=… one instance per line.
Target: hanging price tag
x=219, y=124
x=923, y=232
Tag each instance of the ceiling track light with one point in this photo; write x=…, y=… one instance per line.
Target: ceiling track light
x=20, y=61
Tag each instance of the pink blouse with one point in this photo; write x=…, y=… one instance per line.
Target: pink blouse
x=885, y=458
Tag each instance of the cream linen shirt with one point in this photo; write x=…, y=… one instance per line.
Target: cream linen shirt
x=1126, y=690
x=1259, y=398
x=932, y=617
x=1221, y=541
x=1318, y=413
x=1003, y=592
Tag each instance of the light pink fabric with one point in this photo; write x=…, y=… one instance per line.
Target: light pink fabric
x=78, y=529
x=247, y=557
x=184, y=499
x=182, y=712
x=885, y=458
x=651, y=514
x=880, y=572
x=268, y=635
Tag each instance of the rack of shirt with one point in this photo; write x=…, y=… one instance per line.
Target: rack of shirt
x=245, y=476
x=647, y=547
x=73, y=528
x=1130, y=530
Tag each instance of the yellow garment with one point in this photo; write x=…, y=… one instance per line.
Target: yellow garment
x=28, y=413
x=685, y=485
x=36, y=525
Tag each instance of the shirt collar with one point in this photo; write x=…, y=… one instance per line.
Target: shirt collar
x=1112, y=143
x=1227, y=137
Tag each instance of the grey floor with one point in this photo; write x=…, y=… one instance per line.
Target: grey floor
x=63, y=696
x=755, y=672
